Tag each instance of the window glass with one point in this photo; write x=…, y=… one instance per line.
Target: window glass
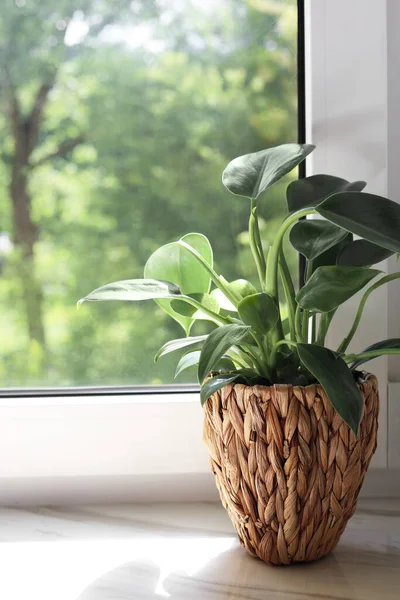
x=117, y=119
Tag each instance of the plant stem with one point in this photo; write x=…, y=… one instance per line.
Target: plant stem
x=271, y=282
x=304, y=325
x=210, y=313
x=290, y=293
x=281, y=343
x=324, y=323
x=273, y=254
x=370, y=354
x=298, y=324
x=256, y=244
x=308, y=271
x=264, y=356
x=214, y=276
x=346, y=341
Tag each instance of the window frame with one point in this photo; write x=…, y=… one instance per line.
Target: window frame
x=96, y=436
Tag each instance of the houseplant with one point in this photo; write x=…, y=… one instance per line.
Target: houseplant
x=290, y=424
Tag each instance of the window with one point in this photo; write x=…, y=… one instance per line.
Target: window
x=116, y=122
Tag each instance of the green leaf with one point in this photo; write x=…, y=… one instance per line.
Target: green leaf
x=223, y=303
x=214, y=384
x=252, y=174
x=383, y=345
x=240, y=288
x=373, y=218
x=329, y=257
x=133, y=290
x=328, y=287
x=310, y=191
x=259, y=311
x=188, y=360
x=337, y=380
x=217, y=343
x=178, y=344
x=312, y=237
x=187, y=310
x=191, y=359
x=362, y=253
x=174, y=262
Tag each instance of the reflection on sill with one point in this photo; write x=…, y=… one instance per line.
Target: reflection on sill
x=86, y=570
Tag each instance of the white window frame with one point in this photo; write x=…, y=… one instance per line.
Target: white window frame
x=149, y=446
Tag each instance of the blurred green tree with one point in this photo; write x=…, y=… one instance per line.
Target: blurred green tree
x=117, y=119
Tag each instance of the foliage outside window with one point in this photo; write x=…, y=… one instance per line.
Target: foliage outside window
x=116, y=120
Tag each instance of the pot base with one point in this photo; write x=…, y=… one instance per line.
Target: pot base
x=287, y=467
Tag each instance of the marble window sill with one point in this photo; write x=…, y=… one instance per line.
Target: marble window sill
x=184, y=551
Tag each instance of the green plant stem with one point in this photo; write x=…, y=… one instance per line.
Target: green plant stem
x=308, y=271
x=273, y=254
x=277, y=345
x=304, y=324
x=255, y=360
x=346, y=341
x=290, y=293
x=323, y=327
x=370, y=354
x=214, y=276
x=239, y=363
x=271, y=282
x=256, y=244
x=264, y=365
x=298, y=325
x=210, y=313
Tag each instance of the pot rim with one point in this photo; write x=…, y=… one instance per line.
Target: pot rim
x=367, y=377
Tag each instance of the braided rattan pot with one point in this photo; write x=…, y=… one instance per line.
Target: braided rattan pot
x=287, y=467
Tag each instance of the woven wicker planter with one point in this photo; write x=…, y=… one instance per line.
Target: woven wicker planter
x=287, y=468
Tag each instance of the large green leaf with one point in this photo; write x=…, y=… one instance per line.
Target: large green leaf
x=259, y=311
x=328, y=287
x=252, y=174
x=337, y=380
x=373, y=218
x=383, y=345
x=174, y=263
x=133, y=290
x=312, y=237
x=217, y=343
x=178, y=344
x=310, y=191
x=362, y=253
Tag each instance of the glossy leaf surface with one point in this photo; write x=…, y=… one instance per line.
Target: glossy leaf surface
x=133, y=290
x=337, y=380
x=252, y=174
x=259, y=311
x=217, y=343
x=312, y=237
x=178, y=344
x=382, y=345
x=174, y=262
x=373, y=218
x=310, y=191
x=362, y=253
x=328, y=287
